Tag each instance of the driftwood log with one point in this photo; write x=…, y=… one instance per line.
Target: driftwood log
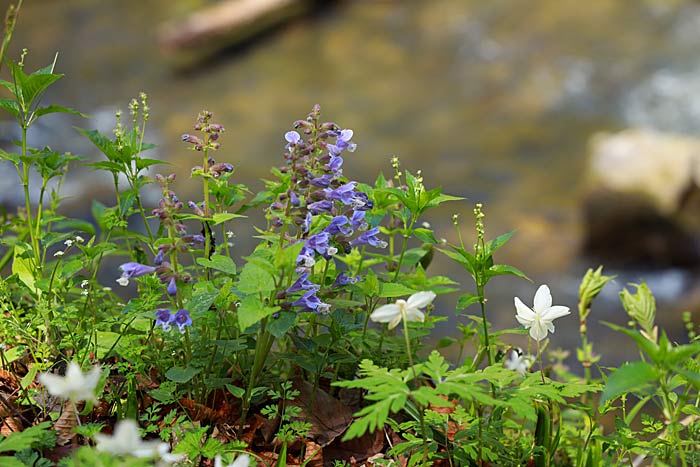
x=224, y=24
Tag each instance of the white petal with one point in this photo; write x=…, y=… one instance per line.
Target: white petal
x=241, y=461
x=394, y=321
x=56, y=385
x=420, y=299
x=385, y=313
x=554, y=312
x=415, y=314
x=538, y=331
x=543, y=299
x=524, y=315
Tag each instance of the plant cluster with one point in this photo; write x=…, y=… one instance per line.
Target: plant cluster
x=311, y=349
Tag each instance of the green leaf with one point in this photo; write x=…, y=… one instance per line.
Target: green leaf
x=179, y=374
x=392, y=289
x=255, y=279
x=279, y=326
x=103, y=143
x=649, y=347
x=11, y=106
x=628, y=378
x=493, y=245
x=251, y=311
x=23, y=266
x=57, y=109
x=220, y=263
x=504, y=269
x=641, y=306
x=105, y=341
x=221, y=217
x=37, y=83
x=20, y=440
x=203, y=295
x=467, y=300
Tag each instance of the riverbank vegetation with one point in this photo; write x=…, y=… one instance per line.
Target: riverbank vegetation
x=144, y=335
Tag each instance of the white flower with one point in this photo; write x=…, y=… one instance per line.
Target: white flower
x=79, y=239
x=123, y=281
x=84, y=283
x=241, y=461
x=539, y=319
x=68, y=242
x=518, y=361
x=74, y=385
x=59, y=253
x=403, y=309
x=126, y=441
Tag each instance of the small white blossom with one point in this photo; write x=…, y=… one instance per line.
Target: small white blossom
x=331, y=251
x=518, y=361
x=229, y=234
x=426, y=225
x=538, y=319
x=123, y=281
x=409, y=309
x=241, y=461
x=68, y=242
x=59, y=253
x=74, y=385
x=84, y=283
x=126, y=441
x=79, y=239
x=84, y=292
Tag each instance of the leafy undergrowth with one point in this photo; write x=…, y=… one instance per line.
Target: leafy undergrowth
x=309, y=350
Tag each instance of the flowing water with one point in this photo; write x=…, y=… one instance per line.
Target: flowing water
x=495, y=101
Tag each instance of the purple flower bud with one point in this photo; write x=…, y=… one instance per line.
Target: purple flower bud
x=320, y=206
x=191, y=139
x=310, y=302
x=172, y=287
x=294, y=199
x=306, y=225
x=323, y=181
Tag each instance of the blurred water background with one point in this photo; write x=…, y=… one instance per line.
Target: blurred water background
x=495, y=101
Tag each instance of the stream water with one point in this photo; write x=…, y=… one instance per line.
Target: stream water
x=495, y=101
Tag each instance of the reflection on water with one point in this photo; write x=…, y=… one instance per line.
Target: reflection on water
x=494, y=100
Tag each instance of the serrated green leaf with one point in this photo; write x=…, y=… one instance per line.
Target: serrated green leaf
x=251, y=311
x=221, y=217
x=57, y=109
x=255, y=279
x=466, y=300
x=23, y=266
x=220, y=263
x=11, y=106
x=628, y=378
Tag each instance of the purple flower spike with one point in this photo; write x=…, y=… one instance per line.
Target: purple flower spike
x=338, y=225
x=303, y=283
x=306, y=258
x=320, y=206
x=369, y=238
x=306, y=225
x=310, y=302
x=182, y=319
x=292, y=137
x=172, y=287
x=357, y=221
x=131, y=270
x=344, y=279
x=344, y=193
x=318, y=242
x=164, y=319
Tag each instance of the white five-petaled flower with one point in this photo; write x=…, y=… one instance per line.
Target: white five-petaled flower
x=409, y=309
x=518, y=361
x=126, y=441
x=74, y=385
x=538, y=319
x=241, y=461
